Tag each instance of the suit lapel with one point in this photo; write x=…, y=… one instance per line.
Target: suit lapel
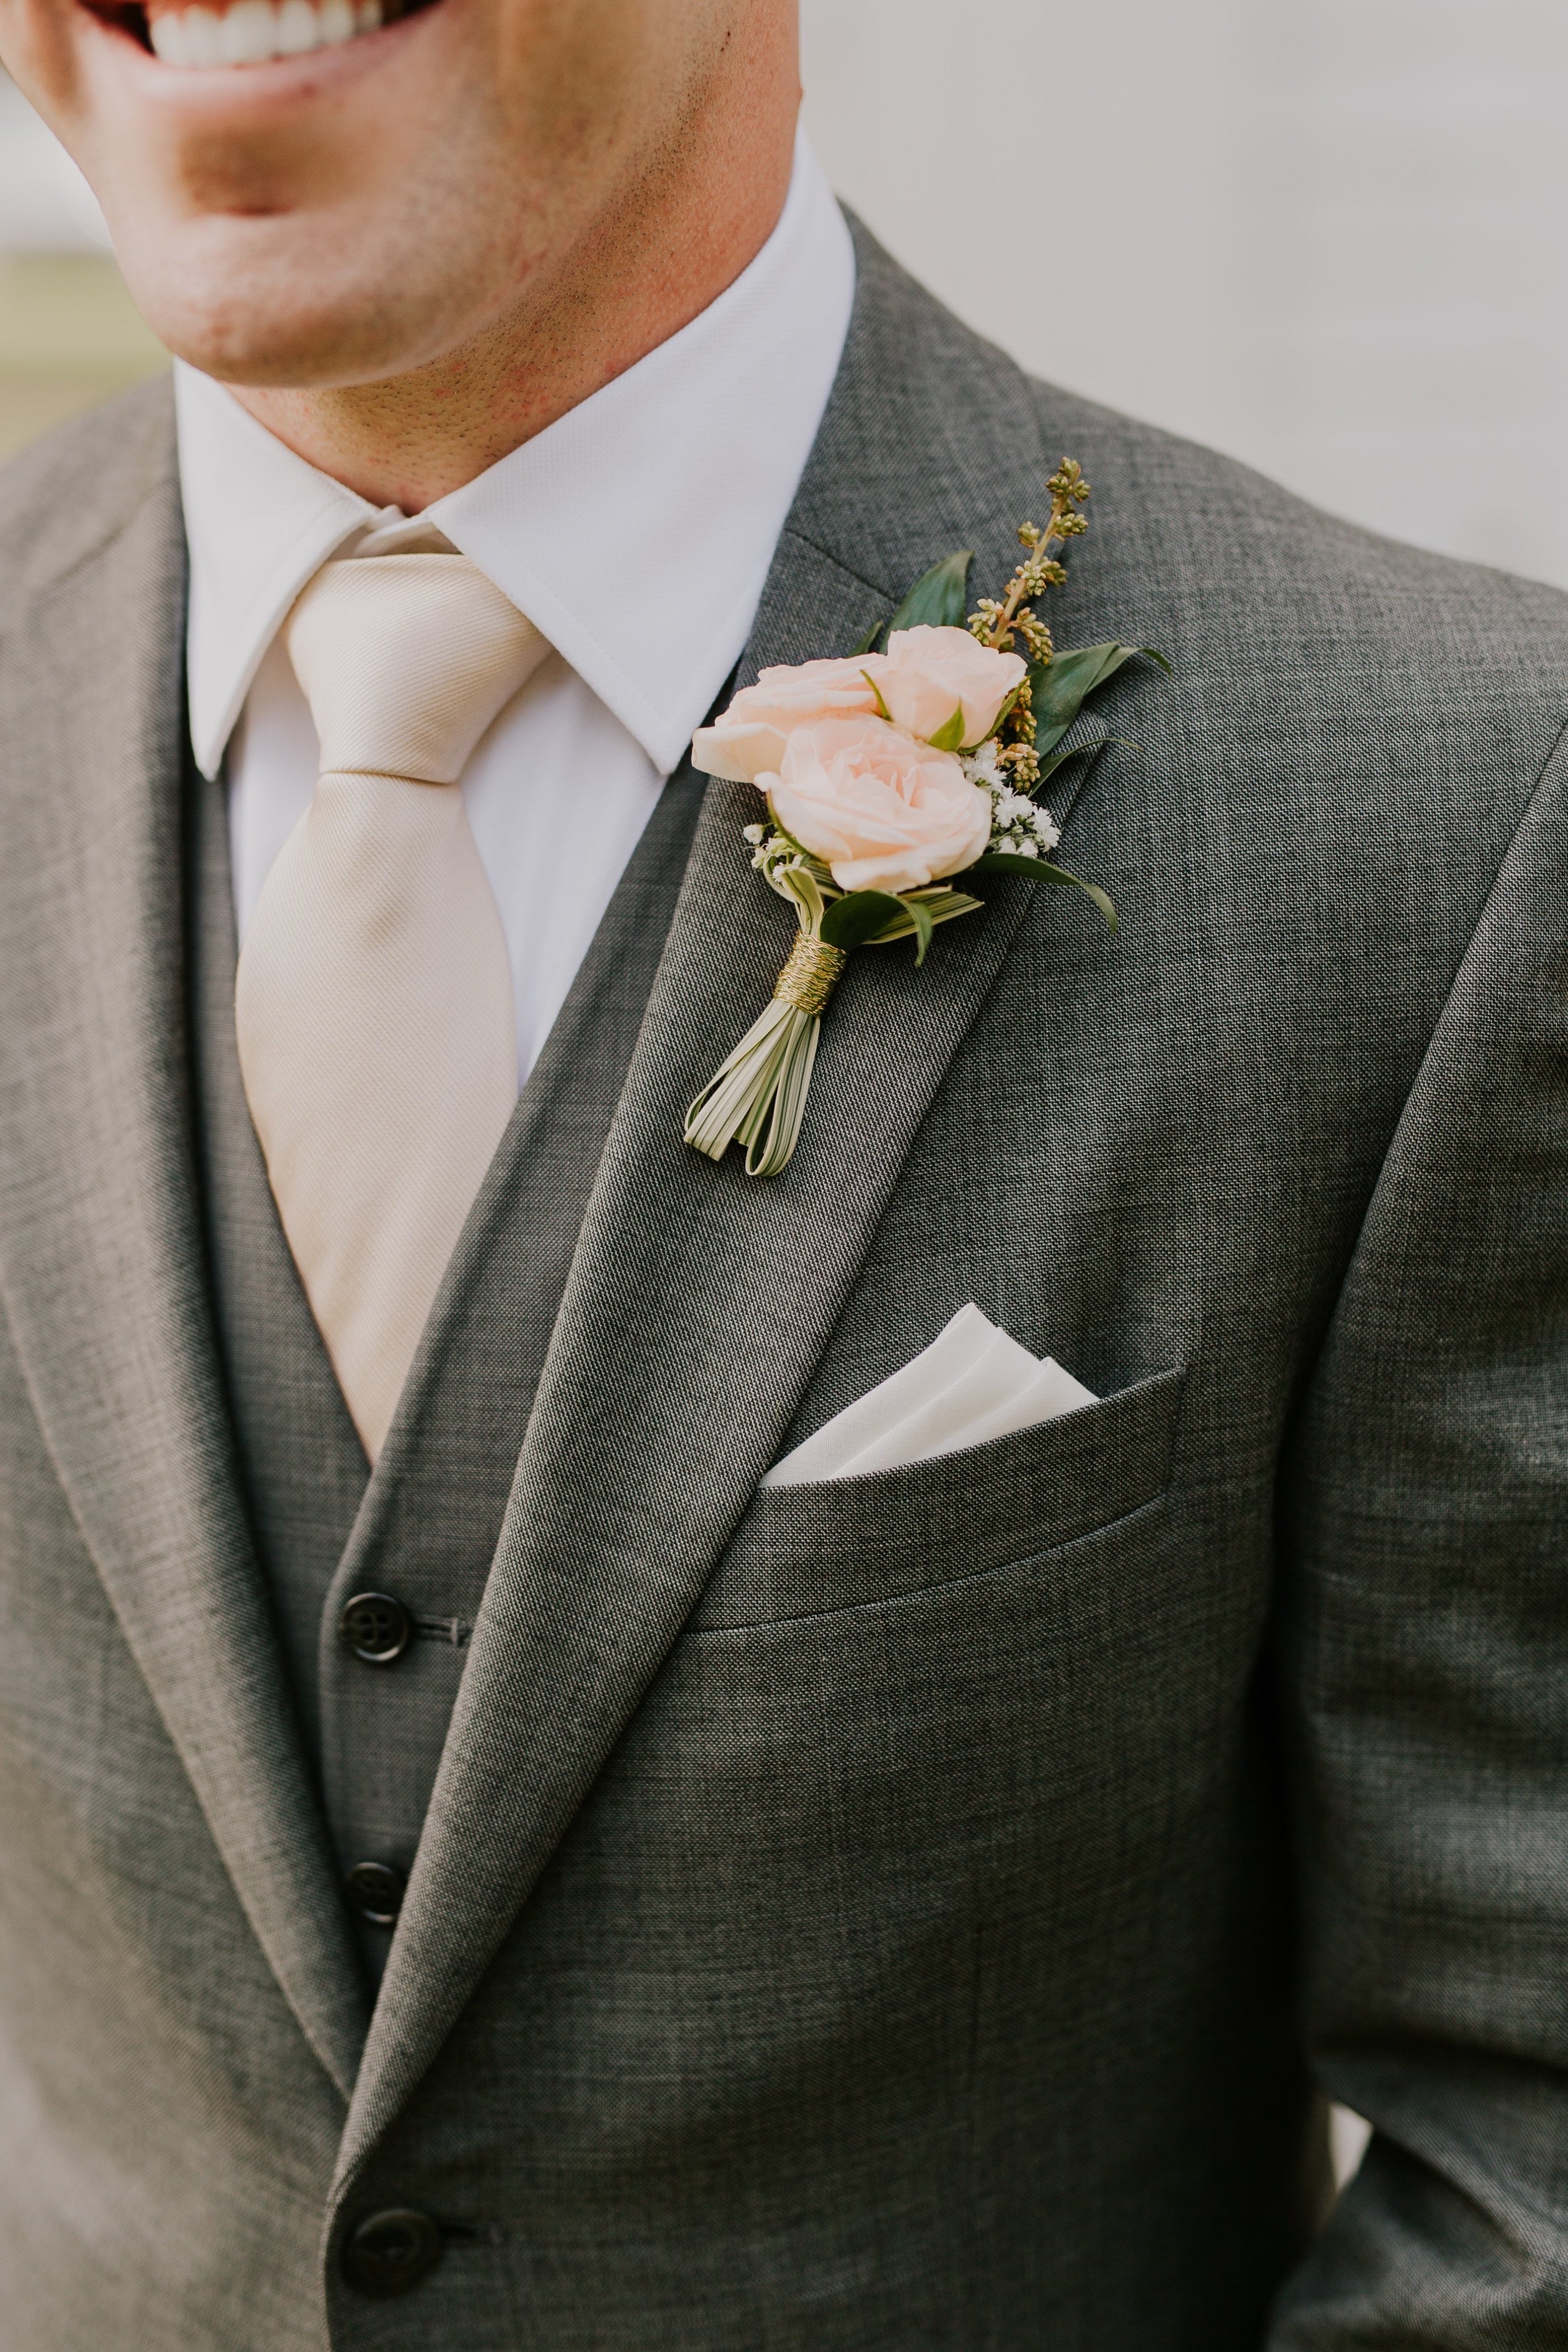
x=699, y=1301
x=101, y=1254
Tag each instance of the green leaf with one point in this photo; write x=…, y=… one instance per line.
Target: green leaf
x=949, y=735
x=920, y=914
x=942, y=904
x=851, y=921
x=1007, y=861
x=941, y=599
x=1001, y=861
x=1006, y=711
x=871, y=642
x=1090, y=750
x=1062, y=685
x=1093, y=751
x=882, y=710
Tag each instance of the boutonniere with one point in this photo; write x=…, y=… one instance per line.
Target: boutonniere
x=918, y=758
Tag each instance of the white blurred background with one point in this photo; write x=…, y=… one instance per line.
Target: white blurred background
x=68, y=335
x=1328, y=236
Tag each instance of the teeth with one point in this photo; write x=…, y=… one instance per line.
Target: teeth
x=167, y=35
x=298, y=28
x=202, y=36
x=246, y=32
x=253, y=32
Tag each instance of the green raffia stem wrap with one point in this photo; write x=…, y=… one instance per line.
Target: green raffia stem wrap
x=758, y=1096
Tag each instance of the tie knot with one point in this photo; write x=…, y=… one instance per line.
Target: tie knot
x=405, y=660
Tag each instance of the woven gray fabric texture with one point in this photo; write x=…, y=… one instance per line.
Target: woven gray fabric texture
x=423, y=1526
x=925, y=1941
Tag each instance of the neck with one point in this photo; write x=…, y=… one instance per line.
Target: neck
x=642, y=270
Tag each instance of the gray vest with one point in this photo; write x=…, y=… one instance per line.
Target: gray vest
x=411, y=1541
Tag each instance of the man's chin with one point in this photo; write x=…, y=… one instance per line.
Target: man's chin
x=250, y=304
x=273, y=220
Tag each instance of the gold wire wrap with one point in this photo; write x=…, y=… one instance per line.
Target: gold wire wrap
x=811, y=975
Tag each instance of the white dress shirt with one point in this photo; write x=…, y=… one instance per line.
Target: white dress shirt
x=636, y=532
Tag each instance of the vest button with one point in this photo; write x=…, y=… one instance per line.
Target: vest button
x=375, y=1890
x=389, y=2252
x=375, y=1627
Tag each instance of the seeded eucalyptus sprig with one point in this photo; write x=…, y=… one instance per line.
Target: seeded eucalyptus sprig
x=1000, y=623
x=996, y=624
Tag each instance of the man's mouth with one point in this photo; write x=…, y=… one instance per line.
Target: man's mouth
x=253, y=32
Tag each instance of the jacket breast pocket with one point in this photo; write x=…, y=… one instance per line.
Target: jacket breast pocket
x=842, y=1542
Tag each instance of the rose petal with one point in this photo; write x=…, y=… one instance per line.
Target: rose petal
x=929, y=671
x=883, y=811
x=739, y=753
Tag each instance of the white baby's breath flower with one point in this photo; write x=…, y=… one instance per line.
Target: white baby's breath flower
x=981, y=767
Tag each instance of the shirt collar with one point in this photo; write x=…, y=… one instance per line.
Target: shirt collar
x=636, y=532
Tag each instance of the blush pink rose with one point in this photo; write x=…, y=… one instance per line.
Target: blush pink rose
x=748, y=741
x=882, y=811
x=927, y=674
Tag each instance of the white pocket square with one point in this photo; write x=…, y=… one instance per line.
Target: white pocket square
x=972, y=1383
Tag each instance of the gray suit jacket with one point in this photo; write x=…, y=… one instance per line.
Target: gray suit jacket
x=903, y=1913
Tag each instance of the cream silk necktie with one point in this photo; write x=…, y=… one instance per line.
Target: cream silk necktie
x=374, y=1001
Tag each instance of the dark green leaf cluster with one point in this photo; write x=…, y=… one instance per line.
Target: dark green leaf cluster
x=1030, y=729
